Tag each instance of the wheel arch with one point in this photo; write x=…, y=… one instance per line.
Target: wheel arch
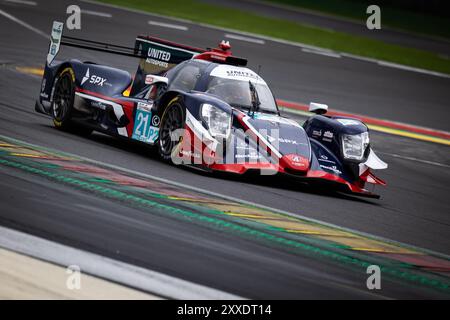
x=166, y=99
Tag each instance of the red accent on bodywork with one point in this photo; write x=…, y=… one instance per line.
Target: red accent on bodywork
x=295, y=162
x=219, y=54
x=195, y=144
x=241, y=168
x=369, y=177
x=319, y=174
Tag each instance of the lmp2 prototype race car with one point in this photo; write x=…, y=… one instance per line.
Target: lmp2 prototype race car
x=203, y=108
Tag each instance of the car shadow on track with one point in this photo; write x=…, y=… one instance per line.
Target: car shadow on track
x=274, y=181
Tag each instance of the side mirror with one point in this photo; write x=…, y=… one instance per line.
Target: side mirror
x=318, y=108
x=157, y=84
x=156, y=80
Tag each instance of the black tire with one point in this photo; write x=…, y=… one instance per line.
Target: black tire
x=62, y=105
x=173, y=118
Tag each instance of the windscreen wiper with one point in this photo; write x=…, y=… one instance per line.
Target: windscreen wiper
x=255, y=99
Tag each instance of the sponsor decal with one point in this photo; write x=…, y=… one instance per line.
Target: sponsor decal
x=213, y=56
x=324, y=158
x=57, y=28
x=55, y=39
x=157, y=63
x=236, y=73
x=143, y=129
x=94, y=79
x=331, y=168
x=317, y=133
x=250, y=156
x=242, y=145
x=53, y=49
x=149, y=79
x=349, y=122
x=44, y=83
x=297, y=161
x=53, y=89
x=99, y=105
x=241, y=73
x=190, y=154
x=158, y=54
x=156, y=121
x=144, y=106
x=290, y=141
x=327, y=136
x=86, y=77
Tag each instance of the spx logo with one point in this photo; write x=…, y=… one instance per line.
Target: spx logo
x=96, y=80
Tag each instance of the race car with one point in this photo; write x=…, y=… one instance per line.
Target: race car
x=203, y=108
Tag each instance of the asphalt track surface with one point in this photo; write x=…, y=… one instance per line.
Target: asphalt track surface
x=414, y=207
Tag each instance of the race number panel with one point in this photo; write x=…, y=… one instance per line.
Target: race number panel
x=143, y=129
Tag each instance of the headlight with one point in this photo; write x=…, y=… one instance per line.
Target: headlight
x=354, y=146
x=218, y=121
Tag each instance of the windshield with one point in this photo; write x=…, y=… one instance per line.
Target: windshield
x=237, y=93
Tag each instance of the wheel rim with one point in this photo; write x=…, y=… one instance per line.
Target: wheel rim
x=173, y=121
x=62, y=97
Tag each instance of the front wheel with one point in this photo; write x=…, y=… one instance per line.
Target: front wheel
x=172, y=120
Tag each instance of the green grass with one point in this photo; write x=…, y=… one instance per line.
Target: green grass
x=231, y=18
x=393, y=17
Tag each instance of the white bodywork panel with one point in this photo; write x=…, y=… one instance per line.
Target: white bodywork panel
x=372, y=162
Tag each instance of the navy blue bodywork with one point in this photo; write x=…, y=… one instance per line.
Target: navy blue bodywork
x=103, y=102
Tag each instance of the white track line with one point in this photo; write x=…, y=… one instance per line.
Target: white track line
x=242, y=38
x=106, y=268
x=168, y=25
x=24, y=24
x=225, y=197
x=415, y=159
x=28, y=3
x=96, y=13
x=323, y=53
x=408, y=68
x=268, y=38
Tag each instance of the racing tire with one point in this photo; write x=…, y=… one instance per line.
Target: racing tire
x=173, y=118
x=62, y=104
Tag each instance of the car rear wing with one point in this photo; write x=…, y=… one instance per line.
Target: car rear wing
x=57, y=39
x=157, y=56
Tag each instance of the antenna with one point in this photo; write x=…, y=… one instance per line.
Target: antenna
x=257, y=74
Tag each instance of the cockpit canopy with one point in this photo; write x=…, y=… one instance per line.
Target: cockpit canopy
x=232, y=84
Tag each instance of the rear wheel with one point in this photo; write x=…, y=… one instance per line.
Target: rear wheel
x=172, y=120
x=62, y=105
